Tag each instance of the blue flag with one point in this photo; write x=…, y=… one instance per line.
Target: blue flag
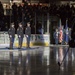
x=66, y=33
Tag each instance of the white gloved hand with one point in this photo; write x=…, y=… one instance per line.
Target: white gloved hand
x=10, y=36
x=26, y=35
x=19, y=36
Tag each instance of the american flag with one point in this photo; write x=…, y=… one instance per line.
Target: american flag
x=60, y=32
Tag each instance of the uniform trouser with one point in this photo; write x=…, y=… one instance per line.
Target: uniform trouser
x=20, y=41
x=56, y=41
x=28, y=41
x=11, y=42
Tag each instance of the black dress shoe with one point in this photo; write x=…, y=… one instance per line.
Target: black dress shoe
x=19, y=48
x=28, y=47
x=10, y=48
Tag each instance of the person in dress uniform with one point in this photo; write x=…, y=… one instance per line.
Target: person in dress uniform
x=20, y=35
x=11, y=33
x=56, y=33
x=28, y=34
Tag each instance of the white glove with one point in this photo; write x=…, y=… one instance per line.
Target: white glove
x=19, y=36
x=10, y=36
x=26, y=35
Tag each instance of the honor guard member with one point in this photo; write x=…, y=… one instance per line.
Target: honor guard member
x=20, y=34
x=56, y=33
x=28, y=34
x=11, y=33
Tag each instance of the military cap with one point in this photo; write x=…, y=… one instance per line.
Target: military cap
x=28, y=22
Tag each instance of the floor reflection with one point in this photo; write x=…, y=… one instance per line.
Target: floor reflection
x=42, y=61
x=60, y=55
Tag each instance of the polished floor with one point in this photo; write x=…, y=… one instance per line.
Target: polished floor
x=38, y=61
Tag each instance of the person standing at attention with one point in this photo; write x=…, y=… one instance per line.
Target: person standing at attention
x=28, y=34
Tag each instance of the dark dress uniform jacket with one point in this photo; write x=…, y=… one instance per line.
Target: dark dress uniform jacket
x=20, y=32
x=28, y=31
x=11, y=32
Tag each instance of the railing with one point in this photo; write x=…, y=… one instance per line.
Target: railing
x=35, y=38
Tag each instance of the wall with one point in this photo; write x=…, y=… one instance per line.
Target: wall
x=35, y=40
